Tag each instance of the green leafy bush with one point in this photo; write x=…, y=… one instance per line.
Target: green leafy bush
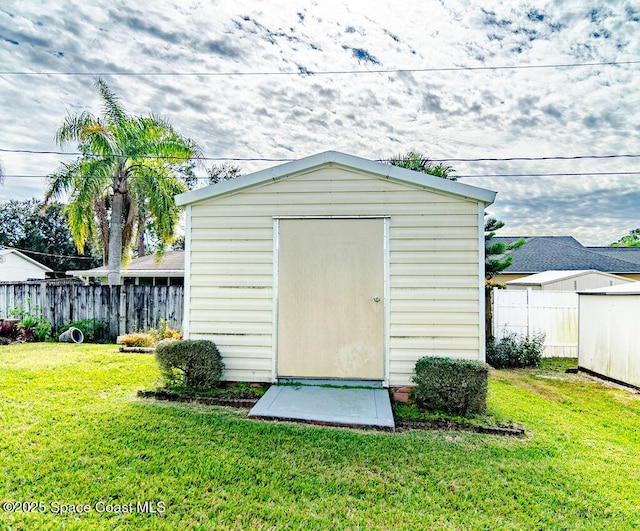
x=193, y=365
x=94, y=331
x=515, y=351
x=450, y=385
x=32, y=326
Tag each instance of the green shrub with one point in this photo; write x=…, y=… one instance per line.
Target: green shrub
x=32, y=326
x=193, y=365
x=94, y=331
x=450, y=385
x=515, y=351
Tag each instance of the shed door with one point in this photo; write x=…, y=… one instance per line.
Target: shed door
x=331, y=298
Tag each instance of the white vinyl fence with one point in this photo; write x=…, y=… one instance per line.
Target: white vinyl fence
x=554, y=313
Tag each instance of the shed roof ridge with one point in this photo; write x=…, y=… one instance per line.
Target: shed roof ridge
x=382, y=170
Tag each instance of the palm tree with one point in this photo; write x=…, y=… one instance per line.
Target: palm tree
x=128, y=165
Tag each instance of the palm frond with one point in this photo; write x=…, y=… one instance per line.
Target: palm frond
x=113, y=109
x=140, y=157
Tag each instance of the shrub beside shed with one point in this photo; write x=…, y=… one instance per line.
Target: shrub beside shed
x=335, y=267
x=607, y=342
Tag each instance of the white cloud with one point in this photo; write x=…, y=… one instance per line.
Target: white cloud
x=466, y=114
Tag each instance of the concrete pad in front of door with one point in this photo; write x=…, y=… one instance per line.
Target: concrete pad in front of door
x=335, y=406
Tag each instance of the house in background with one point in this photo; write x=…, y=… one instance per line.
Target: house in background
x=563, y=253
x=567, y=281
x=628, y=254
x=335, y=267
x=144, y=271
x=18, y=267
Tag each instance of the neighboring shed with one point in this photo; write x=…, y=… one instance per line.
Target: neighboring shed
x=567, y=281
x=18, y=267
x=334, y=266
x=608, y=343
x=143, y=271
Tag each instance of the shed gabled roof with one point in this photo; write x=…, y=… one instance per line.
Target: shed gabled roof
x=622, y=289
x=378, y=169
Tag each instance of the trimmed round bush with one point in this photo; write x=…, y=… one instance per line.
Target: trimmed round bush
x=192, y=364
x=450, y=385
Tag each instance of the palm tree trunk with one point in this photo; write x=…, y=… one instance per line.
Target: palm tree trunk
x=115, y=238
x=141, y=245
x=141, y=225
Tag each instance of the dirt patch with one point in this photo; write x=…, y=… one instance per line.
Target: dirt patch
x=248, y=401
x=235, y=401
x=451, y=425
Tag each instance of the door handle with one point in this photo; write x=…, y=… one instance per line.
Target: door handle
x=376, y=299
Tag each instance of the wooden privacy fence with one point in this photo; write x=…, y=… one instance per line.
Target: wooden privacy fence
x=122, y=309
x=526, y=312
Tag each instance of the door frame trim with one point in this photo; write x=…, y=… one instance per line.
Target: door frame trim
x=386, y=287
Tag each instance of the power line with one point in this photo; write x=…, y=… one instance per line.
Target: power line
x=309, y=73
x=565, y=174
x=526, y=159
x=266, y=159
x=78, y=153
x=52, y=255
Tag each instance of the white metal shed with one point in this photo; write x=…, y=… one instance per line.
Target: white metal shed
x=334, y=266
x=607, y=342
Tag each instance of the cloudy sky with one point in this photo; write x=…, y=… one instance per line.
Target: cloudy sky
x=372, y=78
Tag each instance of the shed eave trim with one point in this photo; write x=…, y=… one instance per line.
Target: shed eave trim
x=378, y=169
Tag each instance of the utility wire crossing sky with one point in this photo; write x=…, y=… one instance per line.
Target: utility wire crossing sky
x=538, y=103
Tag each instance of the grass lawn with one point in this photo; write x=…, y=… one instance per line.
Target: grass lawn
x=72, y=432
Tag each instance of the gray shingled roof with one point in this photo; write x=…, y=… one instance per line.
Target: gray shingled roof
x=629, y=254
x=544, y=253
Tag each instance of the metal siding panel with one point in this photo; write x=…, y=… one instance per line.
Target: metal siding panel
x=433, y=253
x=404, y=281
x=606, y=345
x=441, y=256
x=428, y=294
x=457, y=215
x=223, y=268
x=237, y=280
